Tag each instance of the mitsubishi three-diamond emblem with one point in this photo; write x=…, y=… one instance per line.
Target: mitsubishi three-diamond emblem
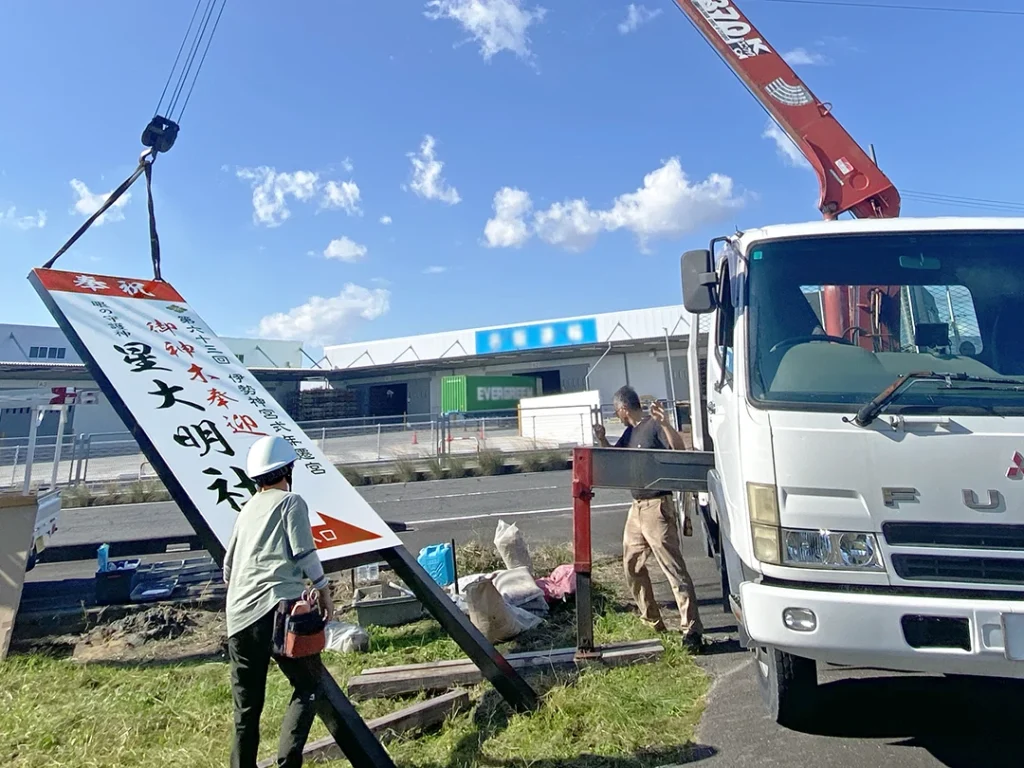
x=1016, y=470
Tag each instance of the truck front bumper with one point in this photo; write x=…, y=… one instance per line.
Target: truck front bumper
x=876, y=630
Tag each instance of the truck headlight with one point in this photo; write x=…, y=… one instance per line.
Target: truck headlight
x=838, y=550
x=763, y=507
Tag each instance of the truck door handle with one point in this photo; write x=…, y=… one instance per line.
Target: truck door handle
x=711, y=407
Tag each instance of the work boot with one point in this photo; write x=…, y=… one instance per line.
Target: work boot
x=693, y=642
x=658, y=626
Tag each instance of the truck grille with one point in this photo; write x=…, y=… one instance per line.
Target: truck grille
x=964, y=570
x=955, y=535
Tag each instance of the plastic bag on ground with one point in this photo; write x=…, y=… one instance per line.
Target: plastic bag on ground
x=560, y=584
x=465, y=581
x=346, y=638
x=511, y=546
x=538, y=606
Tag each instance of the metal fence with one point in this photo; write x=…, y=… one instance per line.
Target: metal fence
x=115, y=457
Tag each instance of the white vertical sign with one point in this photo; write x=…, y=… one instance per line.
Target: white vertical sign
x=197, y=406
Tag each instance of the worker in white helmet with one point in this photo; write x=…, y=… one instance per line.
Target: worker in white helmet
x=269, y=558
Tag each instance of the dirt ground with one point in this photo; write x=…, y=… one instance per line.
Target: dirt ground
x=155, y=634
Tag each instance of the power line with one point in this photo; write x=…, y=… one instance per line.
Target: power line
x=900, y=7
x=955, y=201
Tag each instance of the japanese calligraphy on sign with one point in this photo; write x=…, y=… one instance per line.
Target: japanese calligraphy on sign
x=198, y=406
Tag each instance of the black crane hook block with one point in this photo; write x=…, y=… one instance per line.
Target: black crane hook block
x=160, y=134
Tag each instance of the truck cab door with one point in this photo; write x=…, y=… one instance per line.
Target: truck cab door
x=723, y=419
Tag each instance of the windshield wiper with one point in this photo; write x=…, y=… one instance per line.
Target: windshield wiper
x=869, y=412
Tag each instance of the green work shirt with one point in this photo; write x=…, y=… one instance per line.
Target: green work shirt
x=269, y=557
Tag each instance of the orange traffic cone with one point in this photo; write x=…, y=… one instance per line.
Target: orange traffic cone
x=414, y=440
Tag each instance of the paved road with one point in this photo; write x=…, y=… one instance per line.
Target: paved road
x=467, y=509
x=869, y=718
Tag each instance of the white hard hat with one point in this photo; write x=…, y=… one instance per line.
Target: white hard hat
x=267, y=454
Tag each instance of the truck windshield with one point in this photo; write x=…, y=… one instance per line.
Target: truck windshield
x=835, y=320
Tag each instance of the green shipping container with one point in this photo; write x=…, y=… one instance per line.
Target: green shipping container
x=465, y=394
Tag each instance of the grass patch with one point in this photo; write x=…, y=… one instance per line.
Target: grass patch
x=434, y=468
x=142, y=491
x=532, y=462
x=76, y=496
x=555, y=460
x=55, y=712
x=491, y=462
x=354, y=477
x=456, y=467
x=405, y=470
x=113, y=494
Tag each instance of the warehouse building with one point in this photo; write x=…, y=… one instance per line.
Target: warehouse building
x=601, y=352
x=645, y=348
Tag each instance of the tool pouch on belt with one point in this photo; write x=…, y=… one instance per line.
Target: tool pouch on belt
x=299, y=629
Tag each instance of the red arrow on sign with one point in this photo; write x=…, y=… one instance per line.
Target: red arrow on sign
x=337, y=533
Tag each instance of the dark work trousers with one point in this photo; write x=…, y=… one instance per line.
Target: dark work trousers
x=250, y=652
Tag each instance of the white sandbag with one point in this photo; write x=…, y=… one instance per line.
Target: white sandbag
x=517, y=586
x=511, y=546
x=345, y=637
x=490, y=613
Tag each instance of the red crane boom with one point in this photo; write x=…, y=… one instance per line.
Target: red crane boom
x=849, y=180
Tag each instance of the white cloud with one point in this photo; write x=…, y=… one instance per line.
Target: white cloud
x=427, y=181
x=508, y=228
x=435, y=270
x=11, y=218
x=89, y=202
x=570, y=225
x=496, y=25
x=347, y=165
x=635, y=16
x=271, y=190
x=385, y=220
x=342, y=194
x=668, y=205
x=344, y=249
x=801, y=57
x=322, y=321
x=788, y=151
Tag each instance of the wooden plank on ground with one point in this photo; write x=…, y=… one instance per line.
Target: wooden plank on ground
x=420, y=715
x=434, y=677
x=509, y=657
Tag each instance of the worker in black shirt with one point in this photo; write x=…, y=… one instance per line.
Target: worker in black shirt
x=652, y=526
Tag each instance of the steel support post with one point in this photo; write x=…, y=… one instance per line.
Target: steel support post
x=582, y=493
x=349, y=730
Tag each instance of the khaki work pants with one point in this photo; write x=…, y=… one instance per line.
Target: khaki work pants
x=652, y=527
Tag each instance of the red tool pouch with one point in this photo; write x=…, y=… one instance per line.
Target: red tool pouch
x=299, y=629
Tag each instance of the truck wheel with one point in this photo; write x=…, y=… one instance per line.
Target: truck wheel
x=789, y=686
x=31, y=563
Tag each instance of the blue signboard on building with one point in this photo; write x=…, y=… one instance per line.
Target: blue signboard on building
x=562, y=333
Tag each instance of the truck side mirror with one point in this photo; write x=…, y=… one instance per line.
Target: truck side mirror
x=699, y=281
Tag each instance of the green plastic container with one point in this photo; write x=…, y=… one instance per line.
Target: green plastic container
x=466, y=394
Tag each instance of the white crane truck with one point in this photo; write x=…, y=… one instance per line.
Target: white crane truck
x=863, y=396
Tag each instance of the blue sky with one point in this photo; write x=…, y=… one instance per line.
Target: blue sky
x=504, y=140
